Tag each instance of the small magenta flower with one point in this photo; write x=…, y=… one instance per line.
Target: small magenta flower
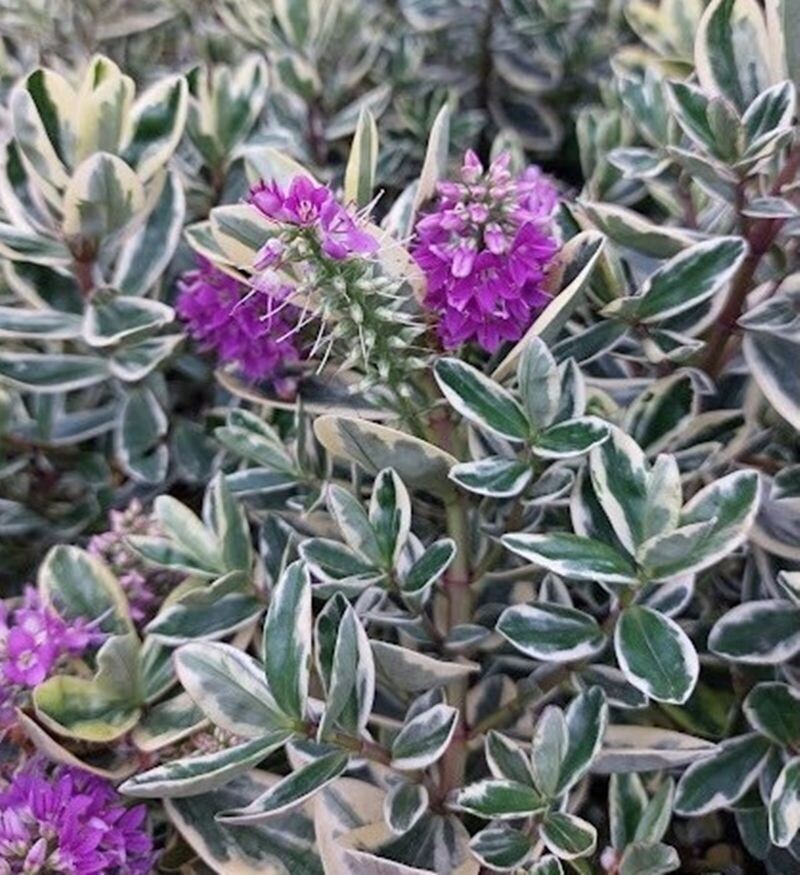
x=250, y=328
x=34, y=640
x=64, y=820
x=485, y=250
x=28, y=661
x=307, y=205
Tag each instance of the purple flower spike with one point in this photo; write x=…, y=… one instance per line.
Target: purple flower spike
x=308, y=205
x=485, y=249
x=248, y=327
x=65, y=820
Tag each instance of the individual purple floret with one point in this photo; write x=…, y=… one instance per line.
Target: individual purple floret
x=308, y=205
x=55, y=819
x=485, y=249
x=250, y=328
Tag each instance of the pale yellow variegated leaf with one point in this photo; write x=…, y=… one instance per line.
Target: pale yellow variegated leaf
x=155, y=126
x=97, y=709
x=733, y=51
x=106, y=763
x=103, y=202
x=36, y=149
x=201, y=238
x=359, y=177
x=374, y=447
x=240, y=230
x=268, y=163
x=435, y=158
x=103, y=104
x=284, y=845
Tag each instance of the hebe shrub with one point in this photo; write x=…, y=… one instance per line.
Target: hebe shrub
x=400, y=461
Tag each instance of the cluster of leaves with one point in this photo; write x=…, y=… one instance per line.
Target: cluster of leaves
x=87, y=401
x=533, y=612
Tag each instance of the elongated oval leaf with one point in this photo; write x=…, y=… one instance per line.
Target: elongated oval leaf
x=723, y=778
x=573, y=556
x=481, y=400
x=500, y=800
x=568, y=836
x=424, y=739
x=765, y=632
x=199, y=774
x=656, y=655
x=230, y=688
x=287, y=640
x=552, y=633
x=289, y=792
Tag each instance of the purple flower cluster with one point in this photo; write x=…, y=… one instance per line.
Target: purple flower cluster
x=65, y=820
x=247, y=327
x=33, y=640
x=306, y=205
x=145, y=587
x=485, y=250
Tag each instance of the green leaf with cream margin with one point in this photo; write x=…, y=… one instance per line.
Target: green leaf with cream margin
x=101, y=708
x=290, y=791
x=102, y=204
x=773, y=708
x=374, y=447
x=359, y=176
x=641, y=501
x=568, y=836
x=656, y=655
x=501, y=848
x=494, y=476
x=51, y=373
x=548, y=749
x=482, y=401
x=78, y=585
x=111, y=319
x=551, y=632
x=423, y=740
x=199, y=773
x=500, y=799
x=784, y=805
x=287, y=641
x=692, y=276
x=346, y=667
x=230, y=688
x=587, y=721
x=404, y=805
x=712, y=525
x=733, y=51
x=573, y=556
x=284, y=844
x=724, y=777
x=761, y=632
x=643, y=504
x=390, y=515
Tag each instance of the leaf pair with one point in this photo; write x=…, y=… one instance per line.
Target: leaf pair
x=562, y=751
x=549, y=421
x=207, y=548
x=379, y=547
